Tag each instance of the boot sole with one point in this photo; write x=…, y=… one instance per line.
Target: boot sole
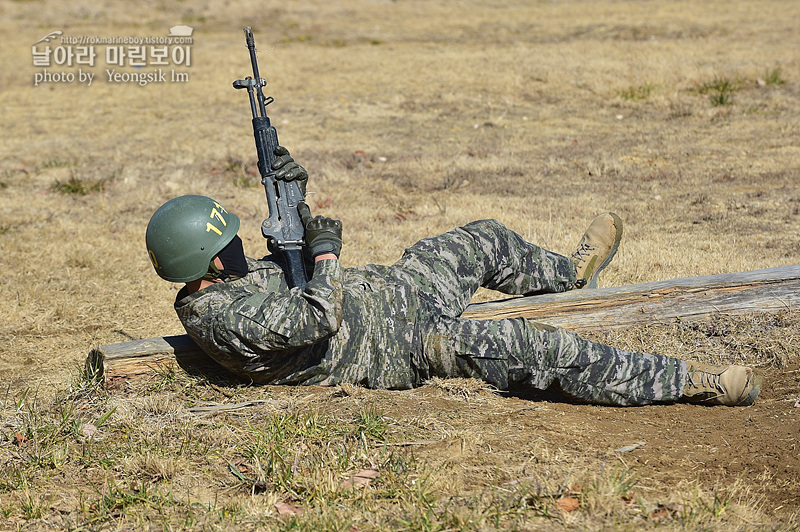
x=618, y=223
x=750, y=398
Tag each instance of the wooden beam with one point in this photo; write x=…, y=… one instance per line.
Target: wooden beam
x=126, y=360
x=690, y=298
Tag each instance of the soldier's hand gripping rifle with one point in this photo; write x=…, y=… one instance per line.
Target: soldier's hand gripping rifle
x=283, y=229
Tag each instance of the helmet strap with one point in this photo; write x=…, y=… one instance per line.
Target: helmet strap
x=213, y=272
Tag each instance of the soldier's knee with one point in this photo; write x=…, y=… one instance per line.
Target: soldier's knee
x=487, y=225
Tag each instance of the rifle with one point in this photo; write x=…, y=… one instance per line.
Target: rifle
x=283, y=229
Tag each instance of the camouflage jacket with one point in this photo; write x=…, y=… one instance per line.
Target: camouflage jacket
x=352, y=325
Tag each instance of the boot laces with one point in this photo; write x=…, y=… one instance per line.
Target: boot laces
x=583, y=252
x=705, y=381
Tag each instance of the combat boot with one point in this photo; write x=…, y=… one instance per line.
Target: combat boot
x=721, y=385
x=596, y=249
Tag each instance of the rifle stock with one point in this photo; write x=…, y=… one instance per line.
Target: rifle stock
x=283, y=228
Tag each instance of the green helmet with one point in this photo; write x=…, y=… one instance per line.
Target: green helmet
x=185, y=234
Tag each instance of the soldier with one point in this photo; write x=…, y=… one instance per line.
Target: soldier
x=396, y=326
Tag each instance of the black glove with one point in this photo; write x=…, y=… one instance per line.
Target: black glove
x=323, y=235
x=288, y=170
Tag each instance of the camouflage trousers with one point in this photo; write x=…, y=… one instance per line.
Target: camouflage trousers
x=450, y=268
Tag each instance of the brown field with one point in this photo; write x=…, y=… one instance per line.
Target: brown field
x=412, y=117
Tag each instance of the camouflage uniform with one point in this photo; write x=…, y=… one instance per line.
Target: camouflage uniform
x=396, y=326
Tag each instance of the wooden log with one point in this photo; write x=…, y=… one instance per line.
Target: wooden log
x=126, y=360
x=690, y=298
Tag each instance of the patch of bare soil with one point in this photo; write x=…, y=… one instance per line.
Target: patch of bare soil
x=668, y=446
x=684, y=442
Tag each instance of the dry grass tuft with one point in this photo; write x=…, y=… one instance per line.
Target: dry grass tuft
x=465, y=389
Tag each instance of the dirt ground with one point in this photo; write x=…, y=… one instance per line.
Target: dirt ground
x=680, y=444
x=684, y=443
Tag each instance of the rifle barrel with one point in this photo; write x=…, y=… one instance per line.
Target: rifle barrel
x=251, y=46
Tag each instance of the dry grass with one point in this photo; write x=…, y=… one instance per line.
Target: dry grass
x=412, y=117
x=177, y=452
